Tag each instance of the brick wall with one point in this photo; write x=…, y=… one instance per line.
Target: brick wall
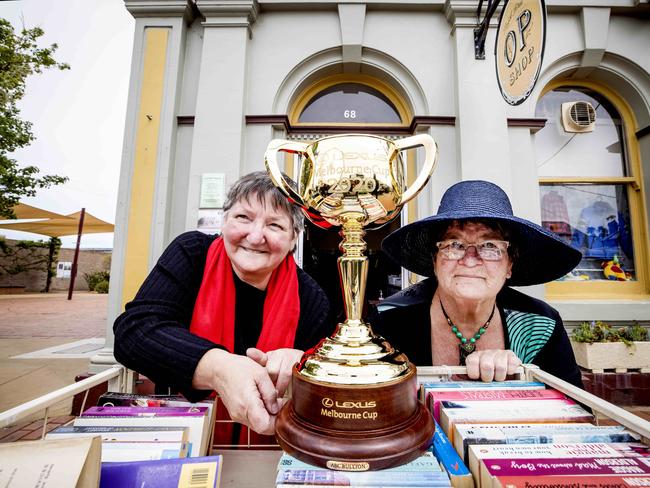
x=34, y=281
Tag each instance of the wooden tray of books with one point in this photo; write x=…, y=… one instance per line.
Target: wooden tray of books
x=532, y=431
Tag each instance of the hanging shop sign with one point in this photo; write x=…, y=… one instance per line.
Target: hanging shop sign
x=519, y=48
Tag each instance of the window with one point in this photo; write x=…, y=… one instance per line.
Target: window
x=590, y=191
x=350, y=100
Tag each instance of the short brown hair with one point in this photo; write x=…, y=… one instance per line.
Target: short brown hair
x=258, y=183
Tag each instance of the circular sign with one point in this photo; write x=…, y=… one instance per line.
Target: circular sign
x=519, y=48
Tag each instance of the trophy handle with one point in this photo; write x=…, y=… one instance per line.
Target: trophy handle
x=431, y=149
x=271, y=162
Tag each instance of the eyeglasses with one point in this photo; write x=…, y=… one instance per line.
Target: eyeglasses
x=455, y=249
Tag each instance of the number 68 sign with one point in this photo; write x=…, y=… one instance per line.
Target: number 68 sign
x=519, y=48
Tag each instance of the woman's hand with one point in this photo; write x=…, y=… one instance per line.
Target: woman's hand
x=278, y=363
x=491, y=364
x=244, y=387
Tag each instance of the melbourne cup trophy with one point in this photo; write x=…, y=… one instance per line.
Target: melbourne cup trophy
x=354, y=404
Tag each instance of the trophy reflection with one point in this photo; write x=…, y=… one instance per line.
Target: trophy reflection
x=354, y=404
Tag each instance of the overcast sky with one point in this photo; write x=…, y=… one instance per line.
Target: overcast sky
x=78, y=115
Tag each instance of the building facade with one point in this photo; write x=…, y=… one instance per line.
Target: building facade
x=213, y=81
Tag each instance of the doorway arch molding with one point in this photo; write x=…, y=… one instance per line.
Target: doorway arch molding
x=618, y=73
x=329, y=62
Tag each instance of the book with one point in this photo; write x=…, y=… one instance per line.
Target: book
x=142, y=451
x=435, y=397
x=194, y=419
x=526, y=411
x=474, y=434
x=428, y=386
x=122, y=433
x=567, y=466
x=423, y=471
x=444, y=452
x=201, y=472
x=426, y=462
x=573, y=481
x=113, y=398
x=548, y=451
x=60, y=463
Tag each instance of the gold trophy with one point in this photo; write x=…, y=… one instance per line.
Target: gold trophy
x=354, y=397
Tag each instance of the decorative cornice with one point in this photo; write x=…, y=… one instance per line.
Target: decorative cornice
x=462, y=13
x=228, y=13
x=283, y=121
x=161, y=8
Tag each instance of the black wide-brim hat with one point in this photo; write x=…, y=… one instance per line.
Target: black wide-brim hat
x=541, y=255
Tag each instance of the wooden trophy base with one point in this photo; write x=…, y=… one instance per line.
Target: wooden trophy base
x=355, y=427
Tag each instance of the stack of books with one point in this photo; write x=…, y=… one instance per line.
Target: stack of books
x=520, y=434
x=149, y=440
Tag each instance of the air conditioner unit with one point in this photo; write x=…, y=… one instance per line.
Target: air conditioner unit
x=578, y=117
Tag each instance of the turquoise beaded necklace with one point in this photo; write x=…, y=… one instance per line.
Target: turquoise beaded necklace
x=467, y=346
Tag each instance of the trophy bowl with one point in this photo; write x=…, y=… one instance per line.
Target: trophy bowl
x=354, y=397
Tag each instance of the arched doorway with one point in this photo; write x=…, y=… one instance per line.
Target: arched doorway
x=348, y=103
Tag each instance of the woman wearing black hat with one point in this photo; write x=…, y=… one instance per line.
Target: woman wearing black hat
x=466, y=313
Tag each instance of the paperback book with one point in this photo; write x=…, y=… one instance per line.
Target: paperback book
x=193, y=418
x=573, y=481
x=483, y=434
x=528, y=411
x=428, y=386
x=548, y=451
x=449, y=459
x=487, y=395
x=122, y=433
x=200, y=472
x=142, y=451
x=423, y=471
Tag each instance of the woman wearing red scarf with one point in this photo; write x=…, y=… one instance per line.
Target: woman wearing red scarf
x=229, y=313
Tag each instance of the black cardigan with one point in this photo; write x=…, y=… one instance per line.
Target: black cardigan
x=152, y=336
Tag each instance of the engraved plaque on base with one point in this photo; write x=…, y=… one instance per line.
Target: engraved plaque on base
x=354, y=397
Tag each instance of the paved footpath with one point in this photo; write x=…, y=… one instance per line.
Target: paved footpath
x=32, y=322
x=53, y=315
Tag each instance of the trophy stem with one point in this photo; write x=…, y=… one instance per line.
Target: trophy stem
x=353, y=268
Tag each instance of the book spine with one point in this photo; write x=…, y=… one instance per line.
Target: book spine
x=434, y=398
x=571, y=481
x=145, y=411
x=567, y=466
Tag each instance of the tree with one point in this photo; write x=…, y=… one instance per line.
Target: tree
x=20, y=57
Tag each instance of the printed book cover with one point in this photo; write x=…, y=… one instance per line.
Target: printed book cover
x=145, y=411
x=530, y=411
x=122, y=433
x=567, y=466
x=426, y=462
x=475, y=434
x=384, y=478
x=459, y=475
x=550, y=451
x=113, y=452
x=51, y=463
x=198, y=428
x=203, y=472
x=578, y=481
x=428, y=386
x=487, y=395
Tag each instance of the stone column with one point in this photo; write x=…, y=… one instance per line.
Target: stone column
x=149, y=135
x=218, y=136
x=481, y=120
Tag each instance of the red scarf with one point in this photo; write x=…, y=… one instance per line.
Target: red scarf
x=214, y=311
